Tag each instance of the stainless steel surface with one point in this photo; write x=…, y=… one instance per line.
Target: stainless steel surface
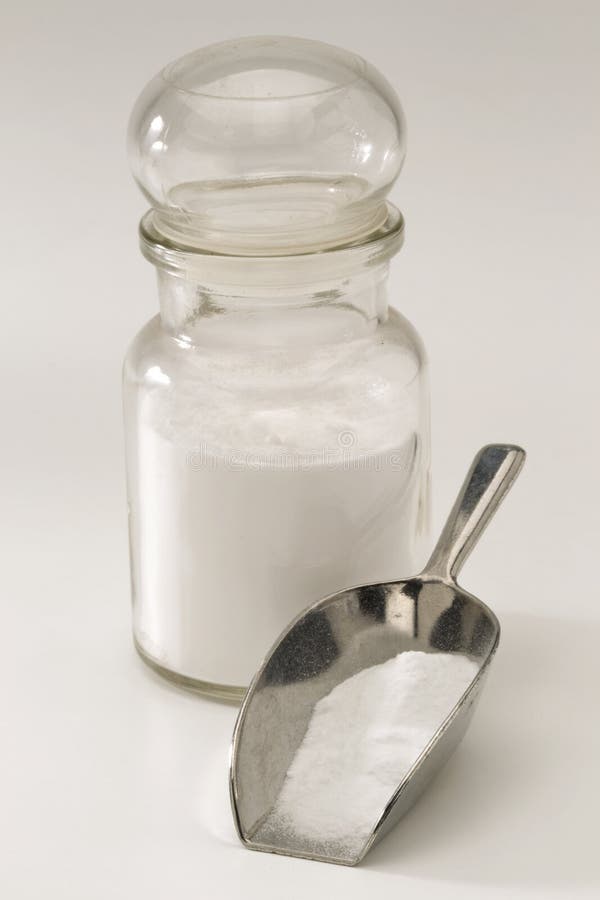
x=361, y=627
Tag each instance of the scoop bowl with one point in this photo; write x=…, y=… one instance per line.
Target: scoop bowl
x=352, y=630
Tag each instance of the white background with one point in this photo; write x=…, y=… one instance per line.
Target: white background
x=112, y=783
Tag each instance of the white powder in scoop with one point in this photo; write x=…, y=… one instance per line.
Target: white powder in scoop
x=361, y=741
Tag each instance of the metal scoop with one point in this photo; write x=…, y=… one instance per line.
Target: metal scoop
x=354, y=629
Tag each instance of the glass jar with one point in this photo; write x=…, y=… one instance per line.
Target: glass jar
x=277, y=428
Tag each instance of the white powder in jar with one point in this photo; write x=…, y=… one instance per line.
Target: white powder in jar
x=362, y=740
x=246, y=505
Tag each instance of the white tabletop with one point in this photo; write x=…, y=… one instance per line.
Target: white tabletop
x=113, y=784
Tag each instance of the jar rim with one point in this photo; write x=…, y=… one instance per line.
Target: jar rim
x=336, y=261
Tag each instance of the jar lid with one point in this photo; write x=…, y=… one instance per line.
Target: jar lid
x=267, y=146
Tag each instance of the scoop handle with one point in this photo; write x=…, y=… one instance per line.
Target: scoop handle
x=490, y=477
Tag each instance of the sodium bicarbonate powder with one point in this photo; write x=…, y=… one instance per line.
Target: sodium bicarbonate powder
x=361, y=741
x=246, y=506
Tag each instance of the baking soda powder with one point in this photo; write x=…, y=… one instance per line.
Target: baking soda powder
x=362, y=740
x=244, y=512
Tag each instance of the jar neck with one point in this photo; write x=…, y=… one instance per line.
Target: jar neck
x=198, y=313
x=210, y=300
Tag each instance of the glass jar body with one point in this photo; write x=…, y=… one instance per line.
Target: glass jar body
x=277, y=451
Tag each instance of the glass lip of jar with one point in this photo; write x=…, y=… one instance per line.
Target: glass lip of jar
x=276, y=270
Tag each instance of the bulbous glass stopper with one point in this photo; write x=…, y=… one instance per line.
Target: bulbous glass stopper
x=267, y=146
